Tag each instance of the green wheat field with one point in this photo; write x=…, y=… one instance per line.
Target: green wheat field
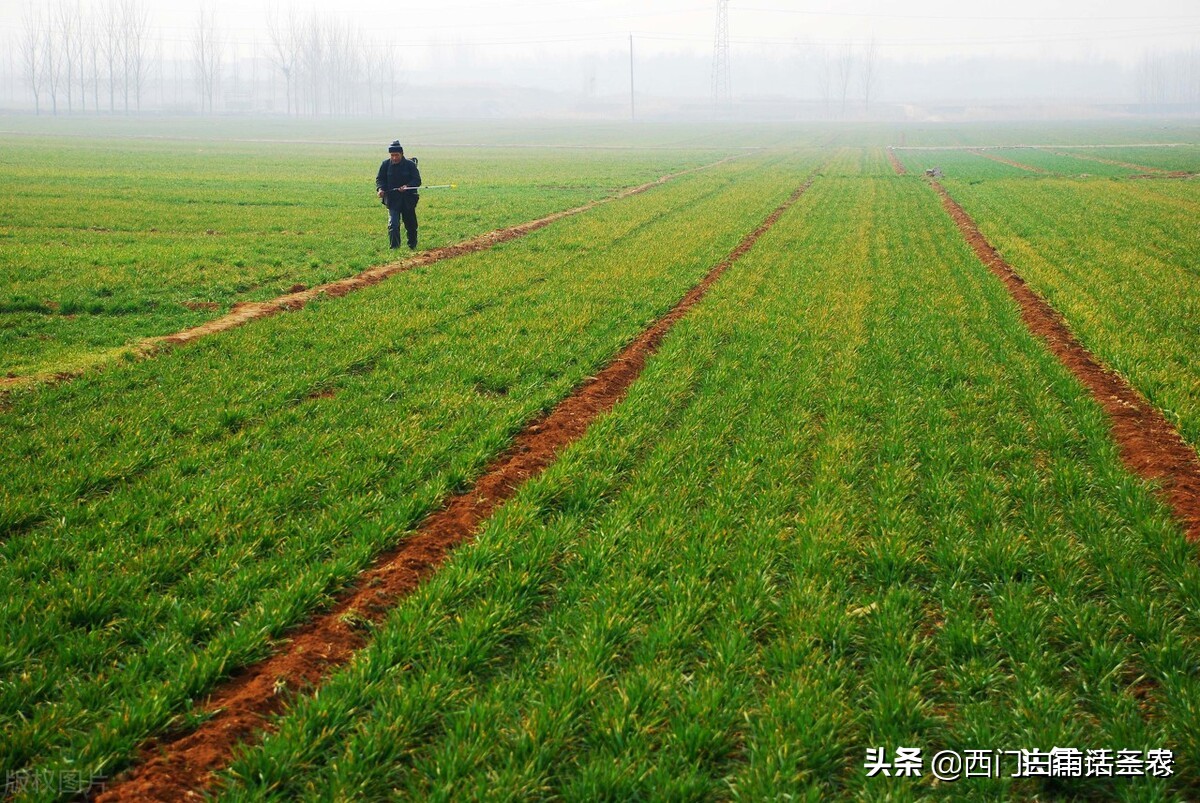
x=852, y=503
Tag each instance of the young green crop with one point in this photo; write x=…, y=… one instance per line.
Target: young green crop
x=188, y=509
x=1077, y=162
x=960, y=163
x=117, y=240
x=1118, y=260
x=852, y=502
x=1180, y=157
x=1059, y=163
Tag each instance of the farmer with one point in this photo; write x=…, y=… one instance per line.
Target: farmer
x=396, y=185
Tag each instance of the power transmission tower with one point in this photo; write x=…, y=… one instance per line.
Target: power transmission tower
x=722, y=94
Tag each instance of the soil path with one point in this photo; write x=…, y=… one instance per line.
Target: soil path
x=179, y=768
x=1009, y=162
x=897, y=165
x=1150, y=446
x=245, y=312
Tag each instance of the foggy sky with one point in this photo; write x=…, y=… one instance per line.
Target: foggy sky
x=524, y=29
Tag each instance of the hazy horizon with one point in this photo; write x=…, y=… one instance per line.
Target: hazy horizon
x=838, y=54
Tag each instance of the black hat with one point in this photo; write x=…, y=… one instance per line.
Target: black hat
x=395, y=147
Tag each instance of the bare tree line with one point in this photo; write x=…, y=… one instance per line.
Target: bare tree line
x=330, y=68
x=103, y=59
x=68, y=57
x=838, y=72
x=1169, y=77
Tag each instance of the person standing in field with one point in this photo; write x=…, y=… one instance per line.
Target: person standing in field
x=396, y=185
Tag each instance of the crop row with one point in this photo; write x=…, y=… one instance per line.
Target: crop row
x=1118, y=260
x=133, y=239
x=852, y=502
x=1060, y=161
x=189, y=509
x=1180, y=157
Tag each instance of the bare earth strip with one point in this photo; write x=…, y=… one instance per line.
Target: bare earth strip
x=897, y=165
x=1150, y=446
x=1009, y=162
x=246, y=312
x=178, y=768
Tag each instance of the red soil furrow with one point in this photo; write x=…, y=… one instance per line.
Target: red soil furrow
x=176, y=769
x=1009, y=162
x=1166, y=174
x=1149, y=445
x=245, y=312
x=897, y=165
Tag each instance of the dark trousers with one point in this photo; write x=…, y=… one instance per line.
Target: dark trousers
x=406, y=210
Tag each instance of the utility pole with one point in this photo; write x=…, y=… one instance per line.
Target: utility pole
x=722, y=93
x=632, y=108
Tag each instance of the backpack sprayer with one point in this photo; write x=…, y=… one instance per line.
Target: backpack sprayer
x=418, y=189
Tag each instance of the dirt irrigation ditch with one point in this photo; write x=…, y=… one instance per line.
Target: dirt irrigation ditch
x=1149, y=445
x=299, y=296
x=175, y=769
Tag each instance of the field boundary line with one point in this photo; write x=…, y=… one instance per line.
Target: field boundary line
x=1009, y=162
x=341, y=143
x=897, y=165
x=245, y=312
x=1041, y=146
x=242, y=705
x=1147, y=171
x=1087, y=157
x=1150, y=446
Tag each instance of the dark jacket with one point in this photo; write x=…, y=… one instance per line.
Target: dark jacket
x=394, y=175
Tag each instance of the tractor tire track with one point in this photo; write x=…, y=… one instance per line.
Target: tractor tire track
x=243, y=313
x=1150, y=446
x=181, y=767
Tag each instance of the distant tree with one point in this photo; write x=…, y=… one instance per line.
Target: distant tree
x=312, y=63
x=206, y=52
x=111, y=48
x=825, y=80
x=67, y=37
x=389, y=78
x=33, y=48
x=135, y=48
x=92, y=52
x=845, y=71
x=1151, y=77
x=285, y=48
x=867, y=76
